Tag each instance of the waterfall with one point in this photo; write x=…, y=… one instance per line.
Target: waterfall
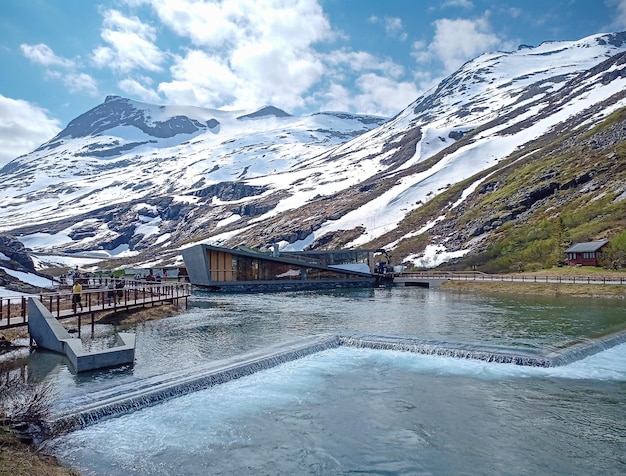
x=462, y=351
x=117, y=402
x=89, y=409
x=580, y=350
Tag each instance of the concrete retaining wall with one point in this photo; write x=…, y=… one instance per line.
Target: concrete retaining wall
x=49, y=334
x=418, y=282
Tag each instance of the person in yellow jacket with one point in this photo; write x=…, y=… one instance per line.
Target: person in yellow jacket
x=77, y=289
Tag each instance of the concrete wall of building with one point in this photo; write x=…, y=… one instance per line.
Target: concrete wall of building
x=197, y=264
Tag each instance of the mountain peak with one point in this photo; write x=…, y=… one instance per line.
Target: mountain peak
x=329, y=179
x=112, y=97
x=266, y=111
x=617, y=39
x=118, y=111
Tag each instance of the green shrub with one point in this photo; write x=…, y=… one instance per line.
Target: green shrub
x=615, y=252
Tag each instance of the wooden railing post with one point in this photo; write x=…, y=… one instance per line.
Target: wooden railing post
x=92, y=299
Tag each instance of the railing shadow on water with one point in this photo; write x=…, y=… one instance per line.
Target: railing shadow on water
x=13, y=309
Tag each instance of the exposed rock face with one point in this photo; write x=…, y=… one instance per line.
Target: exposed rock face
x=228, y=191
x=266, y=111
x=120, y=111
x=267, y=177
x=16, y=252
x=14, y=256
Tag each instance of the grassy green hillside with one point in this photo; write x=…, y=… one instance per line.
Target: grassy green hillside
x=567, y=187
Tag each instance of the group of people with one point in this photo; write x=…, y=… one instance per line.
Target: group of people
x=114, y=286
x=115, y=292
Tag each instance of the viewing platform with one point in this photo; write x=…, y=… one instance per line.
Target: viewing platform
x=14, y=309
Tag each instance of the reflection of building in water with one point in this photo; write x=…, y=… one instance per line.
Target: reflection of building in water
x=245, y=269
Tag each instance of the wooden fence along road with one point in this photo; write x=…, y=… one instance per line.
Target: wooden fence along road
x=512, y=278
x=14, y=310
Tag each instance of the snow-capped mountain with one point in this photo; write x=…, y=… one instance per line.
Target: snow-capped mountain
x=132, y=177
x=123, y=151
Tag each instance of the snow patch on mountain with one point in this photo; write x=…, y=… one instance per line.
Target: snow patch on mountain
x=145, y=174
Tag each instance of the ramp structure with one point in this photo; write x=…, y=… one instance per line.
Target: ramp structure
x=49, y=334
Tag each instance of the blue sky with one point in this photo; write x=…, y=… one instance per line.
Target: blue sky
x=60, y=58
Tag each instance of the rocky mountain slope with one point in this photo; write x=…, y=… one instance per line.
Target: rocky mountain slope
x=489, y=148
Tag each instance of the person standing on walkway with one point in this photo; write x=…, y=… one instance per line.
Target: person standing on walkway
x=77, y=289
x=111, y=292
x=119, y=286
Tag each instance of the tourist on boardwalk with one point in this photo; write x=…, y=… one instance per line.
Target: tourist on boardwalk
x=77, y=289
x=119, y=286
x=111, y=292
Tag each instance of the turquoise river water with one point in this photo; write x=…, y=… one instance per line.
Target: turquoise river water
x=348, y=410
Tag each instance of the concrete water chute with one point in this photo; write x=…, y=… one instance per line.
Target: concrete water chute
x=49, y=334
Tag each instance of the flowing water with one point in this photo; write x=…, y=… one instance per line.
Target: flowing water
x=341, y=409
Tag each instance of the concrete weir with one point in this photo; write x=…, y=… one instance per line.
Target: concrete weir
x=49, y=334
x=91, y=408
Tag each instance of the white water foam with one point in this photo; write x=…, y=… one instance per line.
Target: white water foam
x=606, y=365
x=197, y=430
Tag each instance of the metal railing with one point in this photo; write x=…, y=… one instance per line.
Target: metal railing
x=14, y=312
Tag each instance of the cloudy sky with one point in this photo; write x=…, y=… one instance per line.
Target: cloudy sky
x=60, y=58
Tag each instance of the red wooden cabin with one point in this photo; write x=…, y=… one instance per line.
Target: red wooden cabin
x=585, y=254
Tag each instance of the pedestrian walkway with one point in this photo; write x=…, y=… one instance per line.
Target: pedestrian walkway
x=14, y=310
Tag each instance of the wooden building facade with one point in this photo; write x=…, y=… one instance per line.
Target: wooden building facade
x=247, y=270
x=585, y=254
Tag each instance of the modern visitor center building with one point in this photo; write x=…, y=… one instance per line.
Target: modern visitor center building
x=249, y=270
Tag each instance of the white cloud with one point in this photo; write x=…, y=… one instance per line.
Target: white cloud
x=207, y=79
x=131, y=45
x=619, y=19
x=231, y=23
x=337, y=98
x=359, y=61
x=23, y=128
x=382, y=96
x=139, y=88
x=184, y=92
x=393, y=26
x=376, y=95
x=458, y=4
x=81, y=82
x=75, y=82
x=457, y=41
x=43, y=55
x=206, y=24
x=246, y=53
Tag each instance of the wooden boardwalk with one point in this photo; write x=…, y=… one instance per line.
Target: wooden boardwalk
x=14, y=310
